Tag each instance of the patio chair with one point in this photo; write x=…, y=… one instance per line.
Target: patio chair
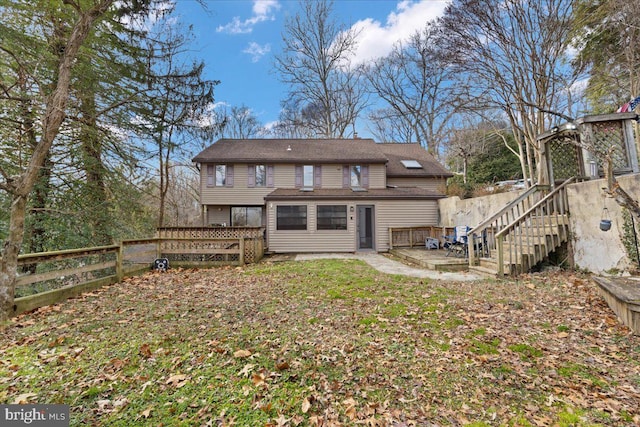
x=457, y=244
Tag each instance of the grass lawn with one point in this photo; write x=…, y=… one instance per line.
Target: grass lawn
x=327, y=343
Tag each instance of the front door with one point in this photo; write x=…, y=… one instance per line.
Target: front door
x=365, y=227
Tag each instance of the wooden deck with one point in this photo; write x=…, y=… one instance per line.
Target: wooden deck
x=431, y=259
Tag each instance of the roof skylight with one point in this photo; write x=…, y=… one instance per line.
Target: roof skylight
x=411, y=164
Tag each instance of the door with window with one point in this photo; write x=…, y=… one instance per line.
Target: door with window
x=365, y=227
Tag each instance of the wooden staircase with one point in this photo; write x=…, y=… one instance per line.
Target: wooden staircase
x=522, y=234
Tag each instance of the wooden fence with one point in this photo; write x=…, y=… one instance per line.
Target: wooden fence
x=409, y=237
x=64, y=274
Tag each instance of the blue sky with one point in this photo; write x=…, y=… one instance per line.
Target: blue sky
x=238, y=39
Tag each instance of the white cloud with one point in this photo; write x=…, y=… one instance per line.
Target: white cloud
x=262, y=11
x=377, y=39
x=257, y=51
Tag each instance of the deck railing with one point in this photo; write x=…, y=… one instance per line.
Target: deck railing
x=408, y=237
x=51, y=277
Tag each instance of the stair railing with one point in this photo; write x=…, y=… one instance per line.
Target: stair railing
x=535, y=233
x=482, y=237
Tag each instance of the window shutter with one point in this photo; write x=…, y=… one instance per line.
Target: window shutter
x=251, y=176
x=211, y=175
x=346, y=177
x=229, y=181
x=270, y=182
x=365, y=176
x=298, y=183
x=317, y=176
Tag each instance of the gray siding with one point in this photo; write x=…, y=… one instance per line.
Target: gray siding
x=284, y=177
x=377, y=176
x=310, y=240
x=388, y=213
x=402, y=213
x=218, y=215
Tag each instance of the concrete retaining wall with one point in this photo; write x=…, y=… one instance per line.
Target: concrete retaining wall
x=593, y=250
x=596, y=250
x=454, y=211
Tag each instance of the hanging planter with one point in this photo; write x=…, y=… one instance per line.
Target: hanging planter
x=605, y=222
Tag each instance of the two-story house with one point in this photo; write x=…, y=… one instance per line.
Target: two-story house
x=319, y=195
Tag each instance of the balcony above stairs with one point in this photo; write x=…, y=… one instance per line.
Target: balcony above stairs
x=521, y=235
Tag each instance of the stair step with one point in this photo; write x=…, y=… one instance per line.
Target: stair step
x=492, y=265
x=484, y=271
x=553, y=220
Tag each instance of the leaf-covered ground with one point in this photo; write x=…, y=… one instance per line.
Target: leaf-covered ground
x=327, y=343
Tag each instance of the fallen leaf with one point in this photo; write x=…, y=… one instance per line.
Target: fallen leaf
x=306, y=405
x=281, y=365
x=350, y=408
x=146, y=413
x=246, y=370
x=177, y=380
x=239, y=354
x=145, y=351
x=23, y=398
x=258, y=379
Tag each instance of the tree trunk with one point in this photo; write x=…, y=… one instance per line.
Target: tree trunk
x=9, y=260
x=95, y=173
x=35, y=236
x=22, y=185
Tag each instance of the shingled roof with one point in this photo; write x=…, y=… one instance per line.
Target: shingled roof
x=292, y=151
x=397, y=152
x=316, y=151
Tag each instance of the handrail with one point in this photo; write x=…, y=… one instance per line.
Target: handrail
x=482, y=236
x=533, y=236
x=538, y=204
x=508, y=206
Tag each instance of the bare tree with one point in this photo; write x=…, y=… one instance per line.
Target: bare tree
x=387, y=124
x=238, y=122
x=417, y=86
x=315, y=64
x=514, y=52
x=174, y=107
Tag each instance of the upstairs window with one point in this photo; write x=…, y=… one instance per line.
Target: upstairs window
x=307, y=176
x=261, y=176
x=219, y=175
x=356, y=176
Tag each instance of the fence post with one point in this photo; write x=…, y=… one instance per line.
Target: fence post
x=119, y=262
x=241, y=254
